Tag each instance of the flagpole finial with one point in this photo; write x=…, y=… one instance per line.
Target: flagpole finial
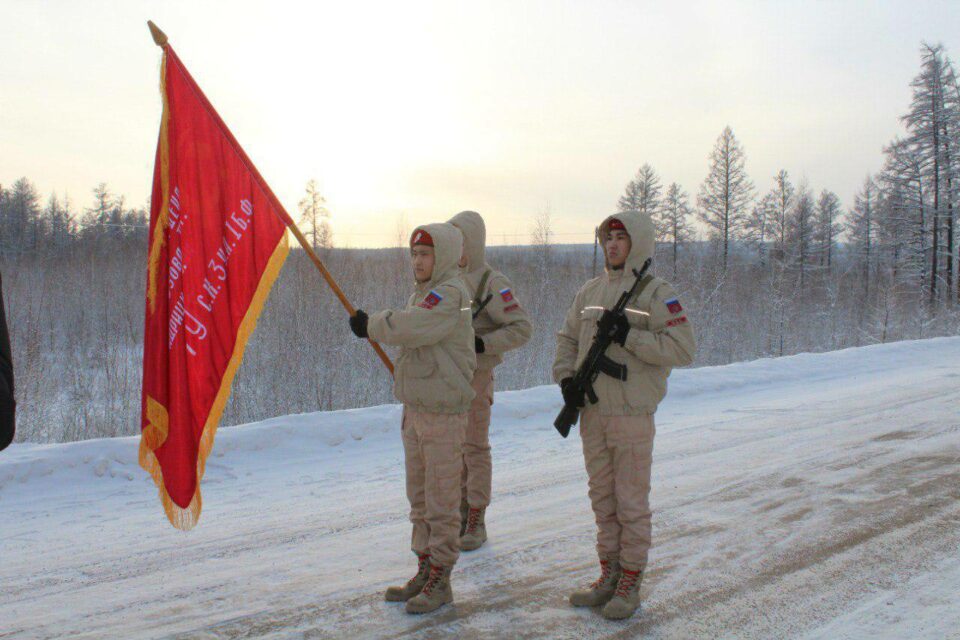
x=159, y=37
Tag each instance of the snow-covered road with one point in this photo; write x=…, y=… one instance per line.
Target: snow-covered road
x=815, y=496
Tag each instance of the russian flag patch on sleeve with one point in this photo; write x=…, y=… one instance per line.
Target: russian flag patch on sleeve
x=433, y=299
x=673, y=306
x=506, y=294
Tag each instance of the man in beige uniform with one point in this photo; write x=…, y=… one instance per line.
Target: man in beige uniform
x=650, y=337
x=432, y=379
x=500, y=325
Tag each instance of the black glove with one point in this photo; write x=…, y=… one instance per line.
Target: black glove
x=572, y=393
x=358, y=324
x=614, y=325
x=478, y=345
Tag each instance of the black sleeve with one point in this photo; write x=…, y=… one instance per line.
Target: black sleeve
x=7, y=404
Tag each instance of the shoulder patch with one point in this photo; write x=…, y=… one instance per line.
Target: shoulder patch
x=673, y=305
x=512, y=307
x=506, y=294
x=433, y=299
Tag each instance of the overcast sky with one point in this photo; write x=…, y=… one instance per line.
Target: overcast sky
x=421, y=110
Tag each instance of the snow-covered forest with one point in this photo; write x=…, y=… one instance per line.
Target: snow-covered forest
x=766, y=266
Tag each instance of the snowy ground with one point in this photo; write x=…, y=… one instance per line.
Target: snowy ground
x=814, y=496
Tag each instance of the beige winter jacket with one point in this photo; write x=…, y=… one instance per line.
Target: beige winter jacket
x=660, y=336
x=503, y=324
x=437, y=359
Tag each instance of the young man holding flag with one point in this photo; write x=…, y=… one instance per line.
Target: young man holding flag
x=500, y=324
x=432, y=380
x=651, y=336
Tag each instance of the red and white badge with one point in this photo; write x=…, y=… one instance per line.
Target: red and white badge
x=506, y=294
x=433, y=299
x=673, y=306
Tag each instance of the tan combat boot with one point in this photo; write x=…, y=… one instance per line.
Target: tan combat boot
x=414, y=584
x=436, y=592
x=602, y=589
x=626, y=599
x=475, y=533
x=464, y=510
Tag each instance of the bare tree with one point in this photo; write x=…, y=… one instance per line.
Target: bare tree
x=59, y=222
x=315, y=216
x=542, y=233
x=642, y=193
x=828, y=227
x=903, y=183
x=784, y=194
x=932, y=122
x=726, y=192
x=862, y=228
x=673, y=220
x=97, y=217
x=801, y=230
x=21, y=225
x=758, y=225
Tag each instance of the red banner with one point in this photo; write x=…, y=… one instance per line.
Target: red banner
x=217, y=243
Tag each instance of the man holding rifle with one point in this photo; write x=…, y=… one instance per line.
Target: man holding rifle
x=643, y=341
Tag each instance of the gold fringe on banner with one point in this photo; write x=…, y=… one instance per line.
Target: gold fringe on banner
x=160, y=228
x=156, y=431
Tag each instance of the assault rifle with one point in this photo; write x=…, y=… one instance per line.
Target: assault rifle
x=597, y=361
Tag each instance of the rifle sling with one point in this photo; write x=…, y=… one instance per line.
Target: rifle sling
x=479, y=293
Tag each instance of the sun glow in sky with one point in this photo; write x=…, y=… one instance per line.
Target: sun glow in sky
x=409, y=112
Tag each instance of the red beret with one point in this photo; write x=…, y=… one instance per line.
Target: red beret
x=615, y=225
x=420, y=236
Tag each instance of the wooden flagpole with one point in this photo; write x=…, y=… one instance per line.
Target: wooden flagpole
x=160, y=38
